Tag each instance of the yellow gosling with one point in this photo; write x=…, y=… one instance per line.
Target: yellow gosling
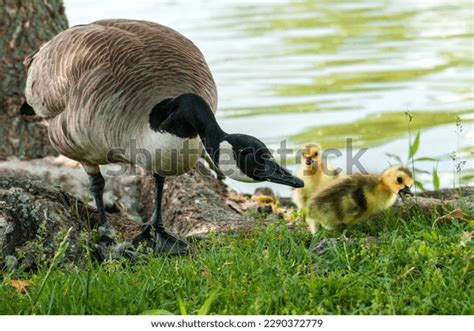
x=314, y=173
x=354, y=198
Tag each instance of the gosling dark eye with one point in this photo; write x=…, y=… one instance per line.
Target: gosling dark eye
x=399, y=180
x=316, y=154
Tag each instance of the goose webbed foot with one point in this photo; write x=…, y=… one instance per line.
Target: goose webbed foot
x=108, y=248
x=144, y=236
x=166, y=243
x=107, y=235
x=154, y=234
x=105, y=251
x=160, y=241
x=96, y=186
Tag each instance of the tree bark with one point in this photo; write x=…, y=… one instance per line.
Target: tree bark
x=25, y=26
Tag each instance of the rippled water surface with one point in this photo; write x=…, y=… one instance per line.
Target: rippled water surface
x=324, y=71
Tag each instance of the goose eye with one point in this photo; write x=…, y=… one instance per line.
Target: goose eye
x=267, y=157
x=245, y=151
x=399, y=180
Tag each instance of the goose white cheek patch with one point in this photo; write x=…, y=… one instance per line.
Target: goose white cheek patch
x=228, y=164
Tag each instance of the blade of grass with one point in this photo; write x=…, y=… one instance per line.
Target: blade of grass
x=432, y=159
x=414, y=146
x=51, y=300
x=204, y=310
x=421, y=171
x=396, y=157
x=182, y=307
x=436, y=181
x=57, y=257
x=419, y=185
x=157, y=312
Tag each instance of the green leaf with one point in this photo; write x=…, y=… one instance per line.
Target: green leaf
x=207, y=304
x=156, y=312
x=182, y=307
x=436, y=183
x=396, y=157
x=425, y=159
x=414, y=146
x=419, y=185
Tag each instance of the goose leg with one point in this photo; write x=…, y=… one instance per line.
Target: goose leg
x=96, y=186
x=162, y=241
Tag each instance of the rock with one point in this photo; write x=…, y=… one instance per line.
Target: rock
x=194, y=204
x=436, y=201
x=466, y=192
x=36, y=211
x=35, y=218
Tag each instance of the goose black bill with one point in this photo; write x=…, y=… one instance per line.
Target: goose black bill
x=277, y=174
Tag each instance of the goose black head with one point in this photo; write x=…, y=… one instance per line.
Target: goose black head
x=238, y=156
x=247, y=159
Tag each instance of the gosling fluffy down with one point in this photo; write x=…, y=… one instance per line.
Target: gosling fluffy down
x=314, y=172
x=352, y=199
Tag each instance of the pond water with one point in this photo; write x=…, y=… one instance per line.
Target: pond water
x=323, y=71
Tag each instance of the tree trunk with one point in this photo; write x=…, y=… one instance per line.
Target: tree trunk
x=25, y=26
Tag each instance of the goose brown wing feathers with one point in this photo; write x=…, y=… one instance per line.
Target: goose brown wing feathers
x=146, y=60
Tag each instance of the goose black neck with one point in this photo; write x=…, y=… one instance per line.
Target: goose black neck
x=188, y=116
x=201, y=117
x=185, y=116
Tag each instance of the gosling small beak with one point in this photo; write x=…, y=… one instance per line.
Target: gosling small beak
x=405, y=191
x=277, y=174
x=308, y=160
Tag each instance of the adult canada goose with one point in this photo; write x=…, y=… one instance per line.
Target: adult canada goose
x=138, y=92
x=350, y=199
x=314, y=171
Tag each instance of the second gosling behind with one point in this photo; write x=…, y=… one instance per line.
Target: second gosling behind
x=314, y=173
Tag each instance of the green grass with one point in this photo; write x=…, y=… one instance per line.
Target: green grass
x=413, y=267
